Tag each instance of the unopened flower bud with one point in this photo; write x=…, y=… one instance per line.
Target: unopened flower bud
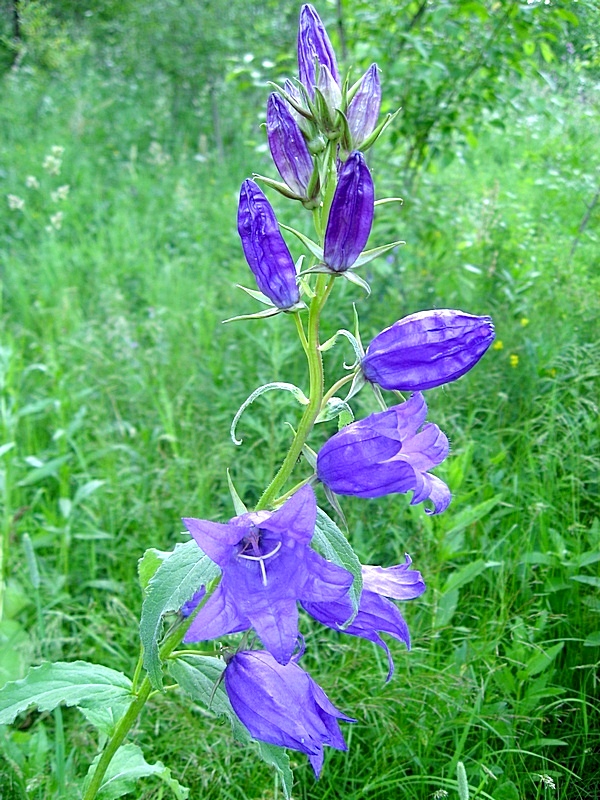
x=314, y=46
x=330, y=90
x=364, y=108
x=351, y=214
x=427, y=349
x=264, y=247
x=288, y=146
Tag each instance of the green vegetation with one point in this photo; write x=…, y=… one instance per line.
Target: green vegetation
x=118, y=384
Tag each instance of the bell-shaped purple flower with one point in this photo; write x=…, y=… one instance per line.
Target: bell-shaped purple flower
x=376, y=614
x=350, y=215
x=427, y=349
x=288, y=146
x=267, y=566
x=283, y=705
x=264, y=247
x=363, y=111
x=314, y=47
x=386, y=453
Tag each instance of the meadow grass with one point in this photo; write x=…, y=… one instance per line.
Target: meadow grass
x=118, y=384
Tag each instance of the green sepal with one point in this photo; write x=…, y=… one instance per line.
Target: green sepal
x=370, y=140
x=257, y=295
x=370, y=255
x=279, y=186
x=356, y=346
x=311, y=246
x=238, y=504
x=354, y=278
x=267, y=387
x=267, y=312
x=384, y=200
x=334, y=407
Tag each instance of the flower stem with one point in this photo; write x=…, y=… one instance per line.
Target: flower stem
x=172, y=640
x=337, y=385
x=311, y=412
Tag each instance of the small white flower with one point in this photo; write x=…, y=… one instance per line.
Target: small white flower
x=56, y=221
x=52, y=165
x=440, y=794
x=548, y=781
x=15, y=203
x=57, y=151
x=31, y=182
x=60, y=194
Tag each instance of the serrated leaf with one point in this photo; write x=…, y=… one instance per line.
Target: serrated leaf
x=333, y=545
x=174, y=582
x=75, y=683
x=200, y=678
x=105, y=717
x=126, y=768
x=278, y=758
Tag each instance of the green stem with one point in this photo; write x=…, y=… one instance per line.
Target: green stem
x=311, y=412
x=172, y=640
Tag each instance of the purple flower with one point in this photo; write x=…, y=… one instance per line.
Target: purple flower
x=267, y=566
x=363, y=111
x=314, y=48
x=427, y=349
x=283, y=705
x=288, y=147
x=351, y=214
x=266, y=252
x=386, y=453
x=376, y=613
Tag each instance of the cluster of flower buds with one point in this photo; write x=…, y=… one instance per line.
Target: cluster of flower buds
x=318, y=128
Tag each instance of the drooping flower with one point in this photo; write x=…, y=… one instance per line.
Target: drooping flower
x=283, y=705
x=288, y=146
x=267, y=567
x=363, y=111
x=376, y=614
x=351, y=214
x=386, y=453
x=314, y=49
x=264, y=247
x=427, y=349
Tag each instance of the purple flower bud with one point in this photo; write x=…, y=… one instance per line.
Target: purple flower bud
x=363, y=111
x=386, y=453
x=427, y=349
x=283, y=705
x=266, y=252
x=314, y=45
x=351, y=214
x=288, y=147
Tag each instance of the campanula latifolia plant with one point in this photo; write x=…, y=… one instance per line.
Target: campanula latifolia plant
x=247, y=582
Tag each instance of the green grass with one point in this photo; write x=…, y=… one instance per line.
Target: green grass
x=118, y=384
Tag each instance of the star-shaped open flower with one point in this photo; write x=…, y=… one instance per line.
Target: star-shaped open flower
x=267, y=567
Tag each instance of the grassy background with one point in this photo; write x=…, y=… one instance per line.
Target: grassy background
x=118, y=384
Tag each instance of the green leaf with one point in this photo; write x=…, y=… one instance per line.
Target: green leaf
x=126, y=768
x=86, y=490
x=464, y=575
x=148, y=564
x=174, y=582
x=200, y=678
x=540, y=661
x=590, y=580
x=333, y=545
x=47, y=470
x=277, y=757
x=75, y=683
